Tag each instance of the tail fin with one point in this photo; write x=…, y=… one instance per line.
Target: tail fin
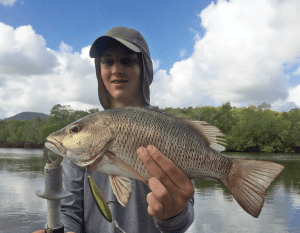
x=248, y=181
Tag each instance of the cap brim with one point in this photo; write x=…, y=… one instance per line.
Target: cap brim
x=104, y=42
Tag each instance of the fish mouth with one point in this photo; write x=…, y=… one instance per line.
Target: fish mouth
x=55, y=146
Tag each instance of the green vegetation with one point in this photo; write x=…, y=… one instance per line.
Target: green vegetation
x=251, y=129
x=33, y=133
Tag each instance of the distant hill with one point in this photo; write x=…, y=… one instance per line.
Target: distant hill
x=26, y=116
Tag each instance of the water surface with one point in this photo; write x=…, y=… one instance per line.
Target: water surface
x=21, y=172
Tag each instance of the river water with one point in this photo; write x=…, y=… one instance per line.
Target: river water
x=21, y=173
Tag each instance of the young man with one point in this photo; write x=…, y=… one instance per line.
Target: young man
x=124, y=73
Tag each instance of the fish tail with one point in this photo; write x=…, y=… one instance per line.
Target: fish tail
x=248, y=181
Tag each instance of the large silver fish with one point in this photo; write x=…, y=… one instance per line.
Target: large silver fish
x=107, y=142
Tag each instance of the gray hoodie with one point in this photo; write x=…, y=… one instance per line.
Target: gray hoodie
x=79, y=212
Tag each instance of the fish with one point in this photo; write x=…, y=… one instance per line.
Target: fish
x=107, y=141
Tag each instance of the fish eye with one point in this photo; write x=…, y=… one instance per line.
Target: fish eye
x=76, y=128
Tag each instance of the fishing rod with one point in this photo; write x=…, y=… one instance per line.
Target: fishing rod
x=53, y=192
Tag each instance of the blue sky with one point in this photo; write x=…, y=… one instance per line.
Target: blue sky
x=166, y=25
x=204, y=52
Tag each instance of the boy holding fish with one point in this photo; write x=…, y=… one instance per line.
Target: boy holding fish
x=111, y=142
x=124, y=72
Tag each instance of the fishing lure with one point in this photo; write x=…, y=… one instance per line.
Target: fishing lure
x=102, y=204
x=100, y=201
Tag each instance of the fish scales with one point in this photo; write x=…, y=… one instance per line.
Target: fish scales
x=107, y=142
x=142, y=128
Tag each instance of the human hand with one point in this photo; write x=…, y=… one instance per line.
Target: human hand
x=171, y=188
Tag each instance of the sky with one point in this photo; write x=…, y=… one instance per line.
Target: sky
x=203, y=52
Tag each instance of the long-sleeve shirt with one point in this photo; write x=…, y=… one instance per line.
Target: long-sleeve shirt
x=81, y=214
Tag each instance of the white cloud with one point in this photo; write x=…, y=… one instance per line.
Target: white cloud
x=155, y=64
x=196, y=34
x=7, y=2
x=35, y=78
x=23, y=52
x=283, y=105
x=239, y=59
x=294, y=95
x=182, y=52
x=297, y=72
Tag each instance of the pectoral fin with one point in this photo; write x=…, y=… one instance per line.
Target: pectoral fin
x=121, y=187
x=119, y=174
x=121, y=164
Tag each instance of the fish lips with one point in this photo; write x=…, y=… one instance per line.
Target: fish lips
x=56, y=147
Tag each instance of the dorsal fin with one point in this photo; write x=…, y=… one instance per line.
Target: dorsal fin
x=208, y=133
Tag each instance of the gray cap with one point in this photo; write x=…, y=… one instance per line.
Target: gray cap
x=121, y=34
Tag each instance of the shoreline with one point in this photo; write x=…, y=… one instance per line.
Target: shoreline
x=33, y=145
x=24, y=145
x=41, y=146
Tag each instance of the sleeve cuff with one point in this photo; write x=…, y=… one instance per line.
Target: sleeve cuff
x=178, y=223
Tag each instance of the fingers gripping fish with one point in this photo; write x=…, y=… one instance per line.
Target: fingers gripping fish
x=107, y=142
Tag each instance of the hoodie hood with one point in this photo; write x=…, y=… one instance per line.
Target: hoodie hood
x=133, y=40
